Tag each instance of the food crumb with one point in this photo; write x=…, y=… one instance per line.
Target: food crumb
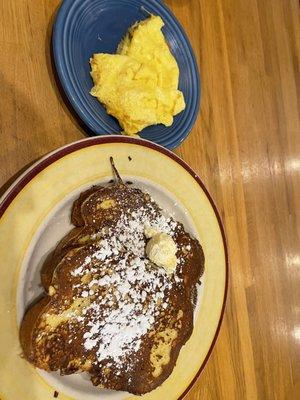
x=129, y=158
x=55, y=394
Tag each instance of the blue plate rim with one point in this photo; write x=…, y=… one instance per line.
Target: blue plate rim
x=75, y=100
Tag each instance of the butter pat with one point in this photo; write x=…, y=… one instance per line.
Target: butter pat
x=150, y=232
x=161, y=250
x=139, y=84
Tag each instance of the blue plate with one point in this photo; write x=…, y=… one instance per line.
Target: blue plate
x=85, y=27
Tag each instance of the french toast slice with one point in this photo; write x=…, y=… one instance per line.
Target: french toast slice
x=109, y=310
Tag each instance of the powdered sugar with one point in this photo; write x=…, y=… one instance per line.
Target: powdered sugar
x=132, y=294
x=126, y=300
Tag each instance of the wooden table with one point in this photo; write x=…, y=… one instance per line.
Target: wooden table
x=245, y=146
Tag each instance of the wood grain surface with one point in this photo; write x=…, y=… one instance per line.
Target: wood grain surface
x=245, y=146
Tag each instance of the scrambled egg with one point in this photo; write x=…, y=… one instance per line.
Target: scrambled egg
x=139, y=84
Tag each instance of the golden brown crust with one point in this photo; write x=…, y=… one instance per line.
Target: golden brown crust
x=55, y=257
x=76, y=217
x=28, y=326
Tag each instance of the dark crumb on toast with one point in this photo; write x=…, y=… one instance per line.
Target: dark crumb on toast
x=55, y=394
x=129, y=158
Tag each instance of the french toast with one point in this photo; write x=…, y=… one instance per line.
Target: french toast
x=108, y=309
